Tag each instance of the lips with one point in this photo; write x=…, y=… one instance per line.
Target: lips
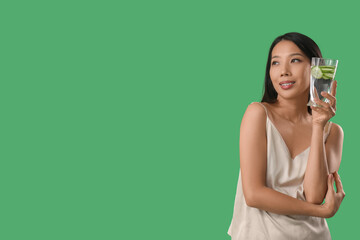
x=286, y=84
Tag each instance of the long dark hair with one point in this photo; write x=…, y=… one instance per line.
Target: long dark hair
x=306, y=44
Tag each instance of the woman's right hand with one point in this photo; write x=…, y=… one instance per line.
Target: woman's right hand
x=333, y=199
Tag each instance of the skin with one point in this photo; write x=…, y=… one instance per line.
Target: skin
x=298, y=128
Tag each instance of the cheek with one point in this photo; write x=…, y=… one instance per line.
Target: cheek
x=303, y=73
x=272, y=76
x=306, y=75
x=272, y=73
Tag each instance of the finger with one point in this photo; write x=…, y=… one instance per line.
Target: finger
x=330, y=97
x=319, y=110
x=326, y=106
x=339, y=186
x=333, y=88
x=322, y=104
x=332, y=111
x=314, y=108
x=331, y=183
x=325, y=112
x=322, y=111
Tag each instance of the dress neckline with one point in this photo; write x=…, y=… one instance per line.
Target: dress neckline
x=284, y=143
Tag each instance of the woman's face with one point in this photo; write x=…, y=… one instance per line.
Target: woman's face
x=289, y=70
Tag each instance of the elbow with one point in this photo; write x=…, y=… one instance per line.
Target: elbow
x=314, y=199
x=315, y=195
x=249, y=201
x=250, y=198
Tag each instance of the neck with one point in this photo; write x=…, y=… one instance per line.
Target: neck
x=293, y=110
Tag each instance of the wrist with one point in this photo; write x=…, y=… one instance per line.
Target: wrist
x=321, y=211
x=324, y=212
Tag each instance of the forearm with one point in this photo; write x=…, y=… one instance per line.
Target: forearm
x=315, y=179
x=273, y=201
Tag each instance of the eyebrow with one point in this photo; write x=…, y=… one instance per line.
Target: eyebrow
x=293, y=54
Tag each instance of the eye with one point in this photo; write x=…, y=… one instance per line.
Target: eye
x=296, y=59
x=274, y=63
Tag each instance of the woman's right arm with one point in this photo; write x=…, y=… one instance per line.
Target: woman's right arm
x=253, y=172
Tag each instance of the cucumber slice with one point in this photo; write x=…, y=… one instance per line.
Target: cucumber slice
x=328, y=75
x=316, y=72
x=327, y=69
x=327, y=66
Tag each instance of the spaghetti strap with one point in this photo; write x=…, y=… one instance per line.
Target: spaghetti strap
x=263, y=107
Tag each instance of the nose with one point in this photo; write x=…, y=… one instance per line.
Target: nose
x=285, y=71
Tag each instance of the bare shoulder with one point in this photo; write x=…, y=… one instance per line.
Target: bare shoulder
x=336, y=131
x=255, y=112
x=336, y=135
x=254, y=120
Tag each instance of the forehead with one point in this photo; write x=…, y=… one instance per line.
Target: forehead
x=284, y=48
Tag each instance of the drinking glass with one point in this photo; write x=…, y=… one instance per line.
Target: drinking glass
x=321, y=78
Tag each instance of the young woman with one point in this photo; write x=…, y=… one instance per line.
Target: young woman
x=289, y=153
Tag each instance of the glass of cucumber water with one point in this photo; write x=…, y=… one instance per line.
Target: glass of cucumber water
x=321, y=78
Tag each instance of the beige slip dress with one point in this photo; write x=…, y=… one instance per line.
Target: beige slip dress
x=285, y=175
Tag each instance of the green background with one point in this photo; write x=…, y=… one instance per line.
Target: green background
x=120, y=119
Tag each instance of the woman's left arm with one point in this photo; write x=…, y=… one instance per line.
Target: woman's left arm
x=324, y=158
x=334, y=146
